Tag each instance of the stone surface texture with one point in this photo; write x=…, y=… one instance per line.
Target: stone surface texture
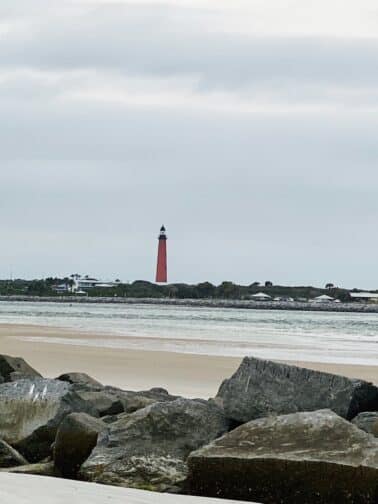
x=108, y=400
x=368, y=422
x=260, y=388
x=31, y=411
x=79, y=378
x=76, y=437
x=9, y=457
x=12, y=368
x=301, y=458
x=148, y=449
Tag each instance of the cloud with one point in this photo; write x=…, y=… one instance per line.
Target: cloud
x=226, y=121
x=151, y=54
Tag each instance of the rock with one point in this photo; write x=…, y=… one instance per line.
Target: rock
x=157, y=391
x=133, y=401
x=158, y=394
x=101, y=400
x=75, y=439
x=148, y=449
x=12, y=368
x=261, y=387
x=31, y=410
x=79, y=378
x=301, y=458
x=367, y=421
x=41, y=469
x=108, y=419
x=112, y=401
x=9, y=457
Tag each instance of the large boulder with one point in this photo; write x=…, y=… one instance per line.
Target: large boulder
x=76, y=437
x=301, y=458
x=367, y=421
x=148, y=449
x=261, y=387
x=15, y=368
x=9, y=457
x=31, y=410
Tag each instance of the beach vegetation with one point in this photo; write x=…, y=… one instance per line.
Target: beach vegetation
x=55, y=286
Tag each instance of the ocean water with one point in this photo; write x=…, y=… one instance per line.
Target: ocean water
x=308, y=336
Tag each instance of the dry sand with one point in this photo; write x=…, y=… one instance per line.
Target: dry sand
x=186, y=374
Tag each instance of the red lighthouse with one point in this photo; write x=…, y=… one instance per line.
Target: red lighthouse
x=161, y=270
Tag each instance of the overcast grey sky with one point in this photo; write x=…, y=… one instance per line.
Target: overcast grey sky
x=248, y=127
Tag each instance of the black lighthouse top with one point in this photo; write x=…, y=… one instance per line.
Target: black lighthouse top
x=162, y=235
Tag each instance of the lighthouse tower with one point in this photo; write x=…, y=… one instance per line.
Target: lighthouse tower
x=161, y=270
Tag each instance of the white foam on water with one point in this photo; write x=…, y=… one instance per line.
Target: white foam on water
x=350, y=338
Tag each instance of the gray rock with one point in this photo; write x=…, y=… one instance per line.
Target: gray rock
x=108, y=419
x=133, y=401
x=9, y=457
x=148, y=449
x=301, y=458
x=40, y=469
x=102, y=401
x=112, y=401
x=79, y=378
x=13, y=368
x=158, y=394
x=75, y=439
x=31, y=410
x=261, y=387
x=367, y=421
x=157, y=391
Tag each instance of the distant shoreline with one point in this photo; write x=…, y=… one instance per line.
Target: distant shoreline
x=208, y=303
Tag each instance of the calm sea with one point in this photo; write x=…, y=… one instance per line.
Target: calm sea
x=308, y=336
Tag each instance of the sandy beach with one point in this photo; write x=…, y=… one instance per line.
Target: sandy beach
x=186, y=374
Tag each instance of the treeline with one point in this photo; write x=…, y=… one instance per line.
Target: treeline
x=32, y=287
x=226, y=290
x=143, y=289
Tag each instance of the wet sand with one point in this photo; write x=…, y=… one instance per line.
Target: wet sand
x=186, y=374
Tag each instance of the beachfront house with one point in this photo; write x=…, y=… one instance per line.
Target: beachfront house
x=62, y=288
x=87, y=283
x=364, y=297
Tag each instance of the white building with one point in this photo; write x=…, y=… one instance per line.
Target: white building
x=324, y=299
x=87, y=283
x=364, y=297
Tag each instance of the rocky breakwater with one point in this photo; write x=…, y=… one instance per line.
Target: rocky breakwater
x=273, y=434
